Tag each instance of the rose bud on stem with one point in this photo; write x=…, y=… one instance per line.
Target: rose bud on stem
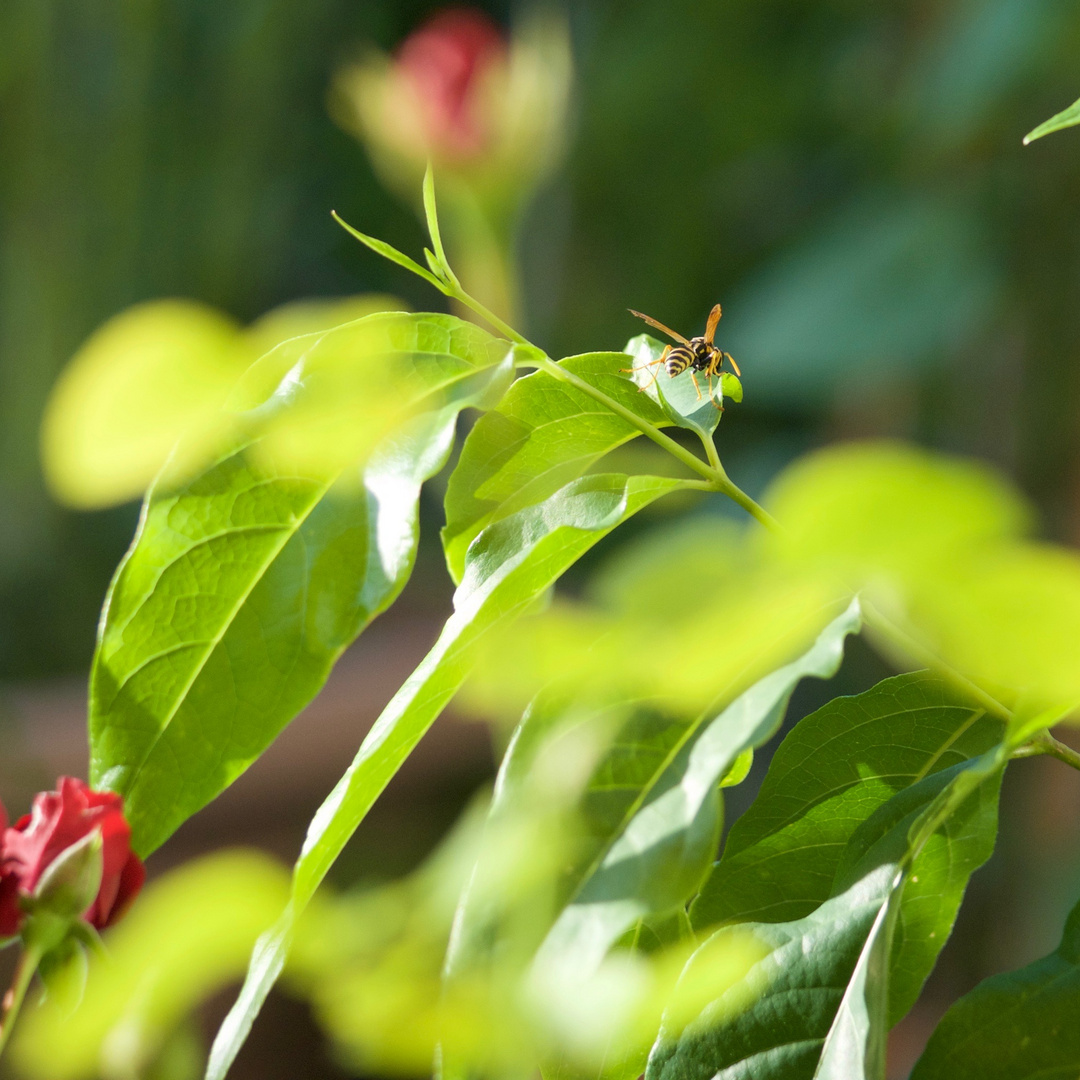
x=66, y=871
x=489, y=114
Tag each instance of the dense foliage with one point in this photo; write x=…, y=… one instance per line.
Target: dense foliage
x=578, y=920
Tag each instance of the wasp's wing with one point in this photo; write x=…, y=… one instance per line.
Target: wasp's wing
x=710, y=326
x=659, y=326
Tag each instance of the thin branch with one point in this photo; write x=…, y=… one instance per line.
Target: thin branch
x=1045, y=744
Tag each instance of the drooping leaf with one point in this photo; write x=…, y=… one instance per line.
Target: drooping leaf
x=1019, y=1025
x=842, y=779
x=189, y=935
x=239, y=594
x=514, y=561
x=543, y=434
x=1069, y=117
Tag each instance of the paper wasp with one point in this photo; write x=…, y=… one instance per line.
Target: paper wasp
x=699, y=354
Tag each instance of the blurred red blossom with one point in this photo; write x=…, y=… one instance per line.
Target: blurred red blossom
x=57, y=821
x=444, y=66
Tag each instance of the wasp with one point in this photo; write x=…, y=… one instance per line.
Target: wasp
x=698, y=354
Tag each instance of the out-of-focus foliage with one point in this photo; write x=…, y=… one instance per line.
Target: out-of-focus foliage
x=189, y=936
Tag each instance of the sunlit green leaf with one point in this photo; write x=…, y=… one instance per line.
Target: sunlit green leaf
x=514, y=561
x=150, y=375
x=1019, y=1025
x=1069, y=117
x=843, y=778
x=189, y=935
x=240, y=592
x=543, y=434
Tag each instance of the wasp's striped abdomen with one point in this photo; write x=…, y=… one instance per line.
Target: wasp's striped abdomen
x=679, y=359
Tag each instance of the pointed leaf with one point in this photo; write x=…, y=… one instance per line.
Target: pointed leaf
x=510, y=565
x=1069, y=117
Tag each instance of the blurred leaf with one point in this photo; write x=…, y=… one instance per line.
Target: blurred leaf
x=677, y=397
x=340, y=392
x=1019, y=1025
x=1069, y=117
x=150, y=375
x=842, y=779
x=189, y=935
x=543, y=434
x=654, y=806
x=516, y=560
x=225, y=618
x=935, y=543
x=300, y=317
x=821, y=1006
x=889, y=282
x=654, y=813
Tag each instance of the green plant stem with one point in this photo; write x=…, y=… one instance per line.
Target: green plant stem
x=1045, y=744
x=13, y=999
x=906, y=643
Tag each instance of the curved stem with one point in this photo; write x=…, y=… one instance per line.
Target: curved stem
x=1045, y=743
x=13, y=999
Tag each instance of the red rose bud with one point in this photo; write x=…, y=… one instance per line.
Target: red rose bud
x=444, y=65
x=459, y=93
x=57, y=821
x=10, y=915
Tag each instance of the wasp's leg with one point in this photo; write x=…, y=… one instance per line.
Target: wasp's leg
x=662, y=359
x=693, y=377
x=712, y=397
x=731, y=360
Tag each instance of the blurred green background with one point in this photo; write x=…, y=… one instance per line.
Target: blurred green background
x=847, y=178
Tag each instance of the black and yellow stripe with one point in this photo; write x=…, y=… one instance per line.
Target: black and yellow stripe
x=679, y=359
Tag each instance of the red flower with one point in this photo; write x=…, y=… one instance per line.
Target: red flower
x=57, y=820
x=445, y=62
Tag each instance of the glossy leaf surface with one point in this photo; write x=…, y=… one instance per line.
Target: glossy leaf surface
x=514, y=562
x=543, y=434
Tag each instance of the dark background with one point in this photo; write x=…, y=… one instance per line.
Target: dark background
x=848, y=177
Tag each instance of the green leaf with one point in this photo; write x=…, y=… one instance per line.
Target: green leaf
x=1069, y=117
x=677, y=397
x=339, y=393
x=829, y=982
x=937, y=546
x=655, y=811
x=188, y=936
x=238, y=595
x=1016, y=1025
x=511, y=564
x=543, y=434
x=839, y=783
x=380, y=247
x=150, y=375
x=820, y=1010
